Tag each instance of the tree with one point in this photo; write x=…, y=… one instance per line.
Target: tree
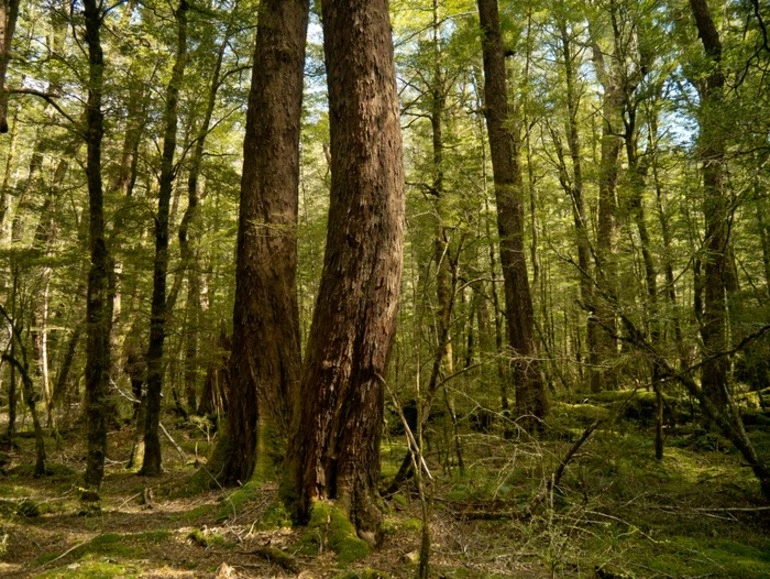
x=335, y=448
x=712, y=149
x=99, y=301
x=9, y=12
x=152, y=455
x=265, y=358
x=531, y=400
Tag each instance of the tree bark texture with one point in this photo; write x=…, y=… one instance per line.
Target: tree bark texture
x=99, y=301
x=335, y=452
x=9, y=12
x=159, y=311
x=531, y=400
x=265, y=362
x=712, y=147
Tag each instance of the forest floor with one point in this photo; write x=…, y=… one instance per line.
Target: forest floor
x=621, y=513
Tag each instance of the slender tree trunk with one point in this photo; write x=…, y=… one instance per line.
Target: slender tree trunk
x=188, y=240
x=9, y=12
x=575, y=190
x=99, y=304
x=265, y=361
x=711, y=146
x=158, y=318
x=353, y=326
x=668, y=267
x=607, y=229
x=531, y=400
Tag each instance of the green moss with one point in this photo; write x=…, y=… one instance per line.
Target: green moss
x=112, y=545
x=91, y=570
x=208, y=539
x=195, y=514
x=275, y=517
x=330, y=525
x=232, y=504
x=28, y=508
x=400, y=500
x=681, y=556
x=395, y=526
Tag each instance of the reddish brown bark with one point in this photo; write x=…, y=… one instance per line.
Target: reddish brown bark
x=335, y=450
x=265, y=359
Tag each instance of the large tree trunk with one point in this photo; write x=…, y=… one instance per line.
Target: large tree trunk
x=158, y=317
x=99, y=305
x=531, y=400
x=335, y=450
x=265, y=359
x=715, y=210
x=9, y=12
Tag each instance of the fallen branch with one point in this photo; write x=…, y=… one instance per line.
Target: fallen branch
x=178, y=448
x=555, y=478
x=271, y=554
x=68, y=551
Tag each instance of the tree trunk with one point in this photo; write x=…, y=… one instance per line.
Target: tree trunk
x=574, y=187
x=712, y=145
x=607, y=229
x=99, y=305
x=9, y=12
x=152, y=452
x=531, y=401
x=265, y=361
x=188, y=240
x=335, y=449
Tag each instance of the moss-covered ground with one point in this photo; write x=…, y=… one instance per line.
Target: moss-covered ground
x=618, y=512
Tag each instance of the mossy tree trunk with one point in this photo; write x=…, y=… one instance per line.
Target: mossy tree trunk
x=335, y=450
x=265, y=359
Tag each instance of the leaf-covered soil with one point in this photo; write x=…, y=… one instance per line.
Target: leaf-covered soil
x=618, y=512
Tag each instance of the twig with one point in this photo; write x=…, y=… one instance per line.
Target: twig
x=129, y=499
x=271, y=554
x=68, y=551
x=555, y=479
x=719, y=509
x=178, y=448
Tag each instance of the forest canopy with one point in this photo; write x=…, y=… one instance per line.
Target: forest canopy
x=350, y=252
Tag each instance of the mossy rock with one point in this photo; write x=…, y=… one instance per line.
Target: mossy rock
x=330, y=525
x=207, y=539
x=394, y=526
